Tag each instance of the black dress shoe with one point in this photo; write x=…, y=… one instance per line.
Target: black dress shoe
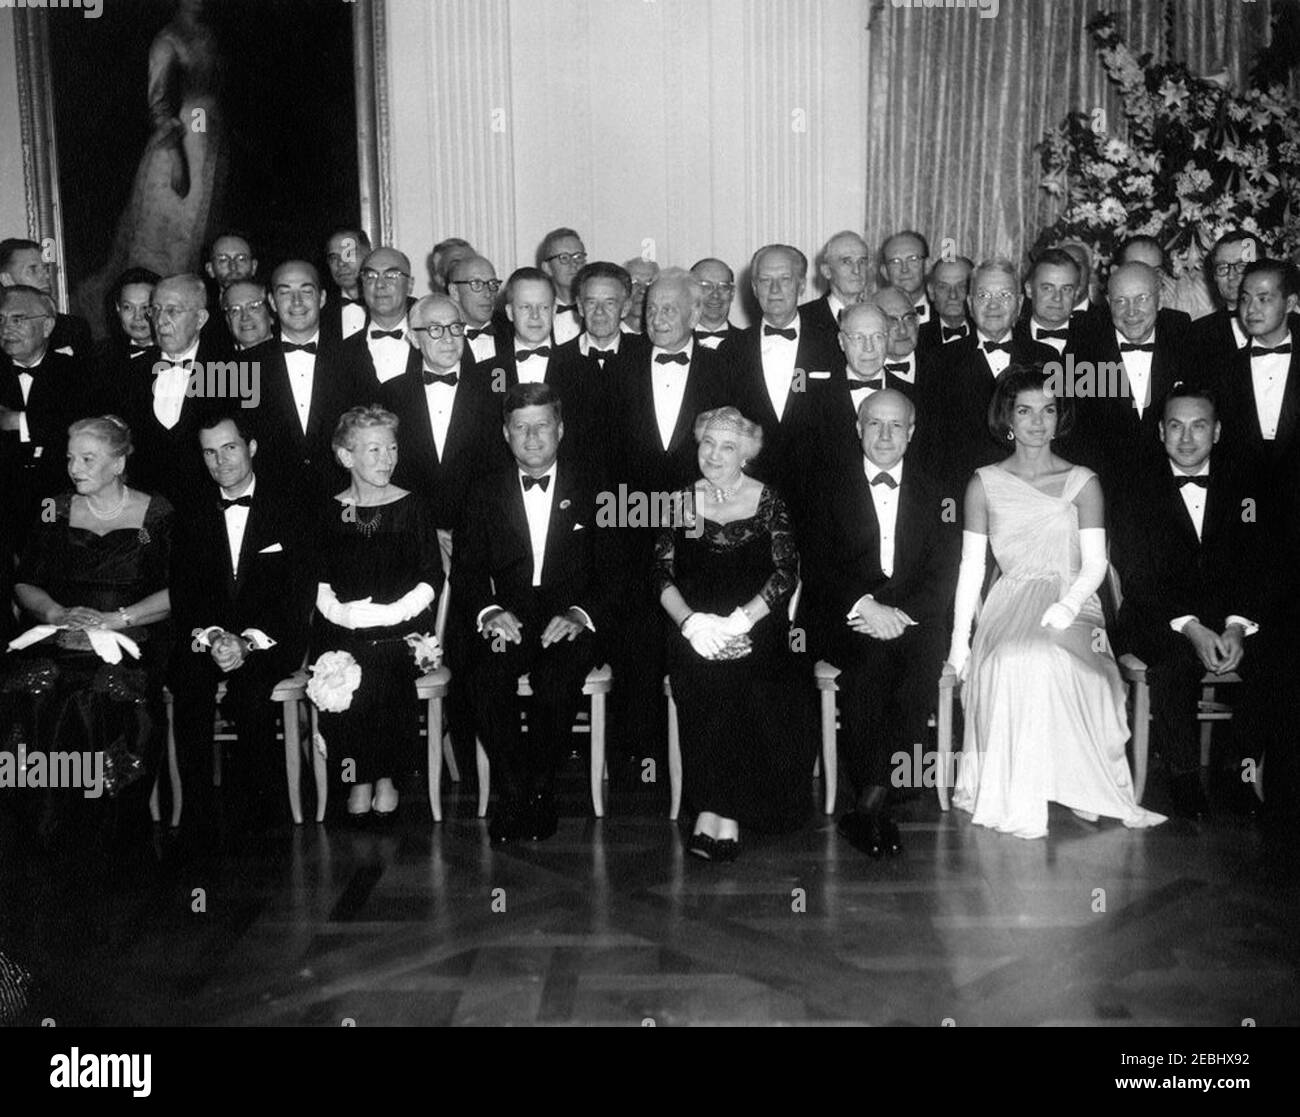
x=541, y=820
x=1189, y=798
x=702, y=846
x=889, y=837
x=862, y=832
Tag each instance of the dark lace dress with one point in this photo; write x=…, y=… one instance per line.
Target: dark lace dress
x=58, y=695
x=382, y=553
x=746, y=724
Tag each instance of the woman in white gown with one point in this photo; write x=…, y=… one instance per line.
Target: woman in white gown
x=1044, y=702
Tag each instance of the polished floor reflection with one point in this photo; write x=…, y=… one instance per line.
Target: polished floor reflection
x=611, y=922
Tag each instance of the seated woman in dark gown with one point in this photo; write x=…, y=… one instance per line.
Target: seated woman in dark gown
x=378, y=571
x=725, y=578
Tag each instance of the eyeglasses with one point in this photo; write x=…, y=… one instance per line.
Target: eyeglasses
x=225, y=261
x=906, y=320
x=477, y=285
x=1003, y=297
x=239, y=310
x=567, y=258
x=392, y=275
x=874, y=341
x=19, y=319
x=1231, y=269
x=436, y=331
x=715, y=288
x=157, y=312
x=909, y=260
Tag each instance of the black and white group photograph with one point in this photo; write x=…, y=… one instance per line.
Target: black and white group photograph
x=650, y=513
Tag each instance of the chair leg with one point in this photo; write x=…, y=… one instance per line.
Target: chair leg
x=155, y=811
x=943, y=733
x=1141, y=737
x=598, y=755
x=674, y=762
x=318, y=763
x=433, y=757
x=830, y=755
x=484, y=777
x=216, y=761
x=1207, y=728
x=293, y=758
x=174, y=774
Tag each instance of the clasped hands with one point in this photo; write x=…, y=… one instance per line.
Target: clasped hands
x=80, y=617
x=882, y=622
x=1220, y=653
x=364, y=613
x=561, y=627
x=709, y=633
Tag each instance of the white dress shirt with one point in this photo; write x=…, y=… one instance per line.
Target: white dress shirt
x=302, y=375
x=170, y=384
x=907, y=375
x=1238, y=333
x=484, y=347
x=669, y=384
x=25, y=382
x=353, y=317
x=778, y=355
x=1057, y=343
x=537, y=507
x=1268, y=374
x=998, y=360
x=533, y=369
x=922, y=312
x=565, y=326
x=237, y=523
x=389, y=354
x=885, y=498
x=1137, y=366
x=586, y=343
x=713, y=342
x=440, y=398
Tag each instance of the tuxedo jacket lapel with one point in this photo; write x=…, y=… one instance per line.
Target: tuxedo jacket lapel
x=1286, y=423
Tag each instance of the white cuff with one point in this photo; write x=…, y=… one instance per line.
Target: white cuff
x=483, y=613
x=586, y=617
x=1179, y=623
x=1249, y=627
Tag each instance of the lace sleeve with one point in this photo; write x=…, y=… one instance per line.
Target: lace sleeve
x=785, y=555
x=664, y=571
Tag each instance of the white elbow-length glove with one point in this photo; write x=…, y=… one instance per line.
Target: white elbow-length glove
x=970, y=578
x=1092, y=570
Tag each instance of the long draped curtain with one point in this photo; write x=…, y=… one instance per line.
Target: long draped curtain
x=957, y=103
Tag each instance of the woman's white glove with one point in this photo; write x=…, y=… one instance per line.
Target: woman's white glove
x=696, y=622
x=335, y=611
x=958, y=654
x=368, y=615
x=708, y=641
x=1092, y=571
x=737, y=622
x=974, y=547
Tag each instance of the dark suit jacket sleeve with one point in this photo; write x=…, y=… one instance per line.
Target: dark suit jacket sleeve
x=471, y=573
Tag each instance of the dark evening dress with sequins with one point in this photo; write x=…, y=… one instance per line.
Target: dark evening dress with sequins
x=746, y=725
x=58, y=695
x=380, y=552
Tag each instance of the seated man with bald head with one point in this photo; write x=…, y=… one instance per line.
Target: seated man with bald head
x=880, y=560
x=845, y=265
x=381, y=352
x=718, y=283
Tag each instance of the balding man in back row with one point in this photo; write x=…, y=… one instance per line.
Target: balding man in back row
x=845, y=265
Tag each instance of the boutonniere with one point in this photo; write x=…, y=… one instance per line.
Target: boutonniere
x=144, y=537
x=565, y=504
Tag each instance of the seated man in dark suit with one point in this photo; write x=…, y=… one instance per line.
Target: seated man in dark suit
x=718, y=282
x=1259, y=389
x=881, y=561
x=539, y=577
x=844, y=264
x=242, y=597
x=948, y=287
x=345, y=311
x=1188, y=572
x=473, y=284
x=23, y=264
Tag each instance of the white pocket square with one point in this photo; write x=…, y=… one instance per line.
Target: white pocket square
x=577, y=527
x=819, y=375
x=66, y=350
x=273, y=549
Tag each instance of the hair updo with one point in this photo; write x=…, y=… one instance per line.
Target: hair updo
x=109, y=429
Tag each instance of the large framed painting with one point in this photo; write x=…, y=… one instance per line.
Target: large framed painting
x=149, y=130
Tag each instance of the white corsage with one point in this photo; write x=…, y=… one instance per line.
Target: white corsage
x=426, y=649
x=335, y=677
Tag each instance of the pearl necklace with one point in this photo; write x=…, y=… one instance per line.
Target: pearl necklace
x=722, y=495
x=113, y=515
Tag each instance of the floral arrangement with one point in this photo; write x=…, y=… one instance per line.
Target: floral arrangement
x=1193, y=160
x=427, y=651
x=335, y=677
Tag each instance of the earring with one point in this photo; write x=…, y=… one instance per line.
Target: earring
x=1011, y=436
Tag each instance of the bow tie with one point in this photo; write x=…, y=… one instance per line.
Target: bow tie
x=529, y=482
x=1061, y=334
x=345, y=301
x=566, y=308
x=771, y=331
x=877, y=384
x=997, y=347
x=448, y=378
x=524, y=354
x=951, y=332
x=1203, y=481
x=900, y=367
x=237, y=502
x=1134, y=347
x=476, y=332
x=883, y=478
x=672, y=359
x=171, y=366
x=1265, y=351
x=601, y=354
x=290, y=347
x=396, y=335
x=712, y=333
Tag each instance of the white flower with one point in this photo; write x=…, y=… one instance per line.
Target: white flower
x=1111, y=211
x=1116, y=150
x=335, y=677
x=426, y=649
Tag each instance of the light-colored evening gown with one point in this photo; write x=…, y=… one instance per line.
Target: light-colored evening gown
x=1045, y=712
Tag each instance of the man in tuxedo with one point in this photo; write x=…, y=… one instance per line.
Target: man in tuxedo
x=1050, y=290
x=473, y=284
x=772, y=363
x=718, y=282
x=246, y=307
x=539, y=578
x=965, y=372
x=604, y=292
x=653, y=450
x=240, y=584
x=345, y=311
x=948, y=288
x=1138, y=358
x=41, y=393
x=1188, y=564
x=844, y=265
x=903, y=260
x=161, y=392
x=23, y=264
x=443, y=259
x=1259, y=391
x=643, y=272
x=305, y=387
x=881, y=562
x=863, y=336
x=902, y=363
x=1216, y=337
x=381, y=352
x=1086, y=307
x=230, y=258
x=561, y=257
